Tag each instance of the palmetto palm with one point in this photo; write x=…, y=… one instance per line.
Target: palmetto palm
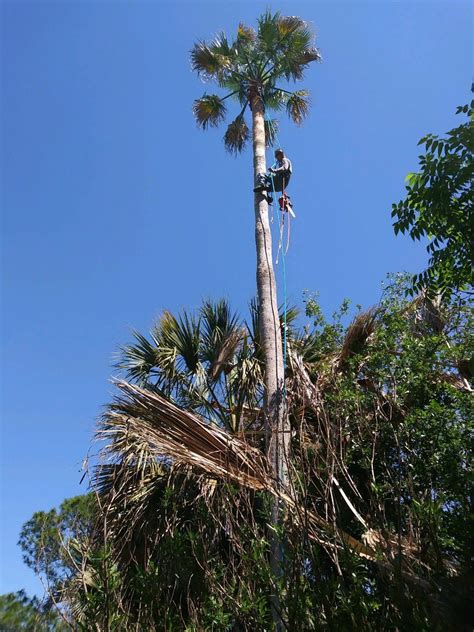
x=250, y=68
x=207, y=362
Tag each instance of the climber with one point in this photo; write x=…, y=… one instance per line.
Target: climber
x=277, y=177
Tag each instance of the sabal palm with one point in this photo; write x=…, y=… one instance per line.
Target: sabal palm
x=208, y=362
x=249, y=68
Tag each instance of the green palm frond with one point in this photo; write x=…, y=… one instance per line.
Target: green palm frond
x=236, y=87
x=211, y=60
x=223, y=51
x=209, y=110
x=297, y=106
x=203, y=61
x=297, y=60
x=139, y=360
x=221, y=333
x=282, y=47
x=292, y=313
x=271, y=131
x=275, y=98
x=268, y=32
x=181, y=336
x=237, y=135
x=254, y=328
x=217, y=322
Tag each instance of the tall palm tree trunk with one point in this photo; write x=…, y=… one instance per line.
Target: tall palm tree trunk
x=270, y=331
x=276, y=420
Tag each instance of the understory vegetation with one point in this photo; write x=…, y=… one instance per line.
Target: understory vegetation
x=377, y=521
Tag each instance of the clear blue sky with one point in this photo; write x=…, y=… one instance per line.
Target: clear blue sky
x=116, y=206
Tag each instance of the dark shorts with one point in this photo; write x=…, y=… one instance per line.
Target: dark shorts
x=281, y=182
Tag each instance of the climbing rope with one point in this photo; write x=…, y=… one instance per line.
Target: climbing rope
x=281, y=224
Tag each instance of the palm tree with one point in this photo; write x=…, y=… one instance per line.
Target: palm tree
x=208, y=362
x=249, y=68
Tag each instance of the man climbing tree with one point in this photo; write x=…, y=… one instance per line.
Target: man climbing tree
x=248, y=68
x=277, y=178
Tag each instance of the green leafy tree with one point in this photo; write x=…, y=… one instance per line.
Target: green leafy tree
x=44, y=536
x=439, y=206
x=18, y=612
x=381, y=416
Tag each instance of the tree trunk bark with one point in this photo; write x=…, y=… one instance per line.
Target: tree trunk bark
x=276, y=419
x=270, y=331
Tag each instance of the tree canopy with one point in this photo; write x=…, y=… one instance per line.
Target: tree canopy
x=281, y=48
x=439, y=206
x=381, y=413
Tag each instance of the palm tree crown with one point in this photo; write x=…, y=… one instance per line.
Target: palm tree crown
x=250, y=66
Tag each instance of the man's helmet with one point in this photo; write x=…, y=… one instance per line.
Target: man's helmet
x=279, y=151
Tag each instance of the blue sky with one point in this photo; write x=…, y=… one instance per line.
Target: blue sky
x=115, y=206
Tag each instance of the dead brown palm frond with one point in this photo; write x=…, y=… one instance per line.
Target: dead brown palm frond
x=458, y=382
x=222, y=362
x=169, y=431
x=297, y=106
x=237, y=135
x=358, y=334
x=427, y=313
x=145, y=416
x=271, y=131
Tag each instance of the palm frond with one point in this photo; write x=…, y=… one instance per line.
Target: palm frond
x=211, y=60
x=227, y=350
x=308, y=55
x=181, y=336
x=209, y=110
x=142, y=415
x=204, y=61
x=268, y=32
x=275, y=98
x=271, y=131
x=221, y=333
x=297, y=106
x=172, y=432
x=223, y=51
x=237, y=135
x=358, y=333
x=289, y=24
x=139, y=360
x=254, y=328
x=245, y=34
